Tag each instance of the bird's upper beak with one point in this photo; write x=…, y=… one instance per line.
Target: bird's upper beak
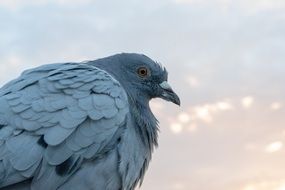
x=168, y=94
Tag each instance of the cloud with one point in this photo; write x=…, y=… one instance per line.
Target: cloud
x=248, y=6
x=187, y=120
x=219, y=2
x=224, y=106
x=276, y=106
x=11, y=67
x=274, y=147
x=18, y=4
x=184, y=117
x=206, y=112
x=178, y=186
x=247, y=101
x=254, y=6
x=176, y=128
x=265, y=185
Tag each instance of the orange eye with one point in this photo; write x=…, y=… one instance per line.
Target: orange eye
x=142, y=71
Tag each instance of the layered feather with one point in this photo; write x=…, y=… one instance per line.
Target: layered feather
x=53, y=114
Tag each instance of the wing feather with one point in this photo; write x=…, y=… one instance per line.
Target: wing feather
x=76, y=108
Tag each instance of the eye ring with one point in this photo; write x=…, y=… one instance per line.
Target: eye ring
x=142, y=72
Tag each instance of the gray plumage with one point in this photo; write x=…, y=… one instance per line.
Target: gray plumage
x=77, y=126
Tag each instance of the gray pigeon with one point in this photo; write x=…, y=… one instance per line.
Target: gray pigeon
x=81, y=126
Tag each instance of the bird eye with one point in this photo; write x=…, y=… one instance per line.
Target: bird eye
x=142, y=71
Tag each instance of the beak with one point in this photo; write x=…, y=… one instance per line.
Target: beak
x=168, y=94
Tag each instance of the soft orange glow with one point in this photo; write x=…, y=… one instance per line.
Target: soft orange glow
x=203, y=113
x=247, y=101
x=274, y=147
x=184, y=117
x=249, y=187
x=265, y=185
x=276, y=106
x=224, y=106
x=176, y=128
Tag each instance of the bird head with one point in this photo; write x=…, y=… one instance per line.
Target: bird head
x=142, y=78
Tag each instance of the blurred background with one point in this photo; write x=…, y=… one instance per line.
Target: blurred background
x=226, y=60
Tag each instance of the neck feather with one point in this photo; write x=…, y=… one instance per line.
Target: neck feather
x=146, y=123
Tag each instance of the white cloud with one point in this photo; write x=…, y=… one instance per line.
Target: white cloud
x=224, y=106
x=188, y=119
x=206, y=112
x=184, y=117
x=247, y=101
x=178, y=186
x=249, y=187
x=265, y=185
x=247, y=6
x=274, y=147
x=275, y=106
x=11, y=66
x=176, y=128
x=16, y=4
x=203, y=113
x=222, y=2
x=254, y=6
x=281, y=187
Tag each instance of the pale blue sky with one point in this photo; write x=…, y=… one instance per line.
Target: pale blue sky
x=226, y=59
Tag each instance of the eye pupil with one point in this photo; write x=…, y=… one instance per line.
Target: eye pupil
x=142, y=72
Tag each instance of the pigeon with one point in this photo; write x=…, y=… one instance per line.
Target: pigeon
x=81, y=126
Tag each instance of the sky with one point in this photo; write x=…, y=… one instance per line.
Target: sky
x=225, y=59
